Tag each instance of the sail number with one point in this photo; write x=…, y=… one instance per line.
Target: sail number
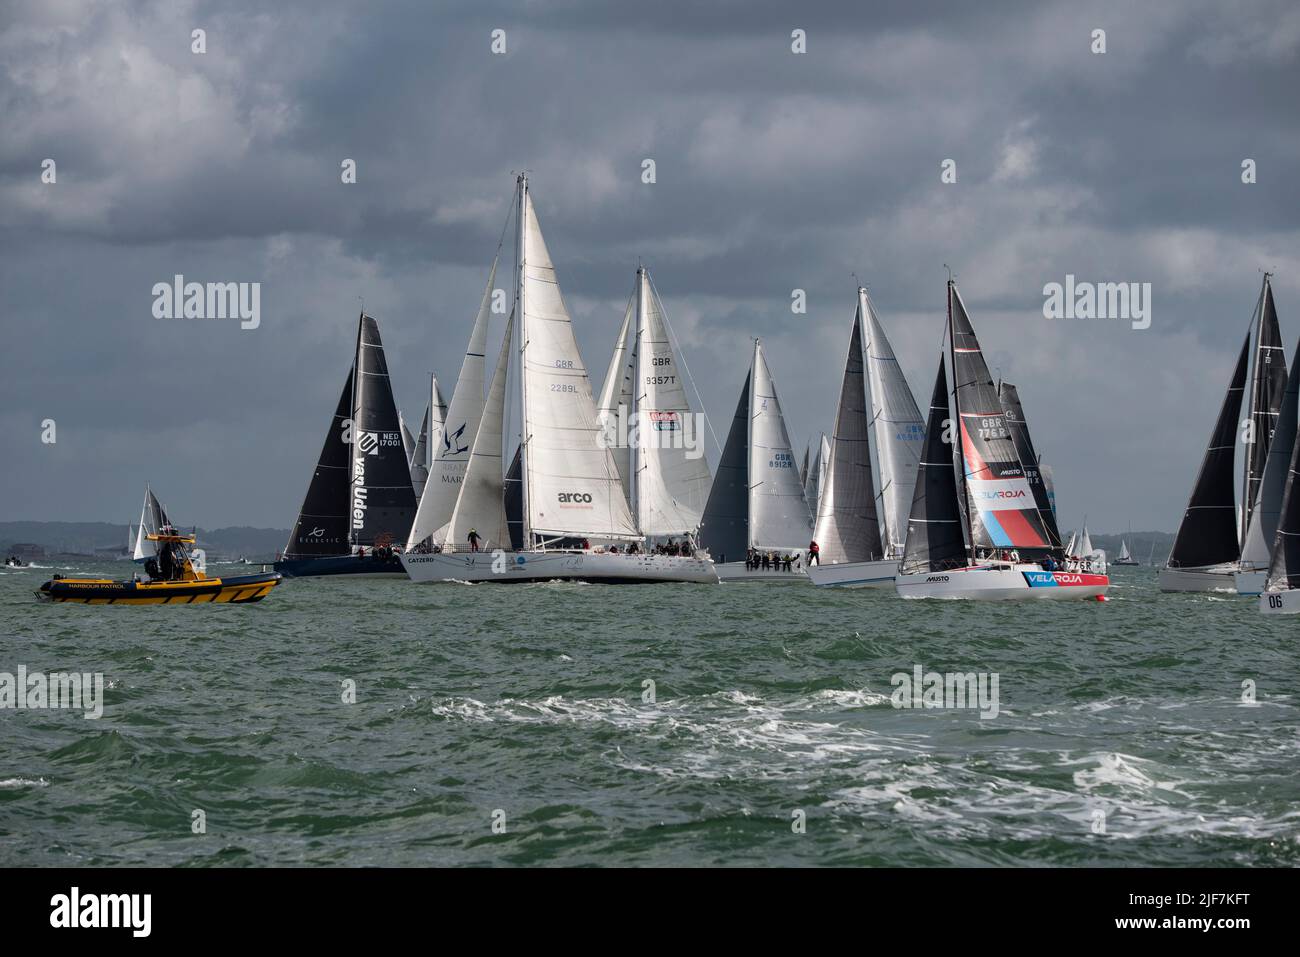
x=563, y=387
x=1274, y=601
x=660, y=380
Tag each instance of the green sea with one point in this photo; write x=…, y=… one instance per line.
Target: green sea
x=519, y=726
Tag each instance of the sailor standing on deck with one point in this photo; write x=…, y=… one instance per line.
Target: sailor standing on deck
x=473, y=539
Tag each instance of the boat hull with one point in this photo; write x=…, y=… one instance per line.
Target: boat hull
x=1251, y=582
x=879, y=574
x=238, y=590
x=1197, y=580
x=1280, y=602
x=1002, y=583
x=335, y=565
x=737, y=572
x=597, y=567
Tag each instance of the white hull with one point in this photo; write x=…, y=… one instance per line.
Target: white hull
x=1002, y=583
x=737, y=572
x=1219, y=579
x=854, y=574
x=557, y=566
x=1250, y=583
x=1280, y=602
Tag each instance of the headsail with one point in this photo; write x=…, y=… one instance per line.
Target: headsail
x=383, y=500
x=1009, y=397
x=152, y=518
x=1268, y=382
x=999, y=501
x=725, y=528
x=1284, y=567
x=935, y=537
x=571, y=484
x=1208, y=533
x=897, y=426
x=481, y=503
x=419, y=462
x=615, y=407
x=448, y=468
x=323, y=525
x=778, y=511
x=1257, y=549
x=847, y=528
x=670, y=479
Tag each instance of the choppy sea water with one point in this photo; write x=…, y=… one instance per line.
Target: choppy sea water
x=1122, y=737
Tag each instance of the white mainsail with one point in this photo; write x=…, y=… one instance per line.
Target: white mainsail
x=670, y=479
x=615, y=407
x=481, y=502
x=778, y=511
x=1124, y=555
x=814, y=475
x=449, y=461
x=571, y=483
x=897, y=427
x=149, y=523
x=847, y=529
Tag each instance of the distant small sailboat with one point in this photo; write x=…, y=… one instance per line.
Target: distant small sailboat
x=1207, y=553
x=360, y=501
x=1125, y=557
x=860, y=533
x=172, y=576
x=974, y=503
x=756, y=506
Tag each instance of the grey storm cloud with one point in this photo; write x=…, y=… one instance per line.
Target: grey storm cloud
x=775, y=171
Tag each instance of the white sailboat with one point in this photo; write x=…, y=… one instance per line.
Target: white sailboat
x=860, y=533
x=1125, y=556
x=757, y=506
x=978, y=520
x=1221, y=535
x=573, y=495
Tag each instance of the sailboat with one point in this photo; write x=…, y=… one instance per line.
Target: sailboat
x=1125, y=556
x=360, y=501
x=976, y=529
x=577, y=520
x=757, y=505
x=860, y=533
x=1208, y=549
x=1082, y=555
x=1280, y=594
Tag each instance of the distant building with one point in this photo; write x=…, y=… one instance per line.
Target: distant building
x=26, y=550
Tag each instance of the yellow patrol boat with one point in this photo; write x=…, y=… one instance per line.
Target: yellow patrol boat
x=172, y=577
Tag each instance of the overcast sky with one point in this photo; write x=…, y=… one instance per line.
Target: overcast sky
x=775, y=171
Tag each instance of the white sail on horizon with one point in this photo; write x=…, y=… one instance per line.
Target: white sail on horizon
x=778, y=510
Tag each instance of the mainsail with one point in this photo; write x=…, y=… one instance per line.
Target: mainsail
x=670, y=477
x=1208, y=533
x=814, y=474
x=935, y=536
x=419, y=462
x=1284, y=567
x=571, y=483
x=323, y=521
x=383, y=500
x=847, y=528
x=1000, y=502
x=152, y=518
x=778, y=511
x=1267, y=383
x=448, y=467
x=897, y=428
x=1009, y=397
x=724, y=530
x=481, y=503
x=1257, y=548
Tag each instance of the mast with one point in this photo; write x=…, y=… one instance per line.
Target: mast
x=749, y=446
x=520, y=265
x=352, y=465
x=954, y=428
x=634, y=472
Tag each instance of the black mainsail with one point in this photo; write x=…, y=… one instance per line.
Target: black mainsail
x=935, y=536
x=1284, y=568
x=1208, y=533
x=322, y=525
x=1009, y=397
x=724, y=528
x=1267, y=386
x=383, y=503
x=1000, y=504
